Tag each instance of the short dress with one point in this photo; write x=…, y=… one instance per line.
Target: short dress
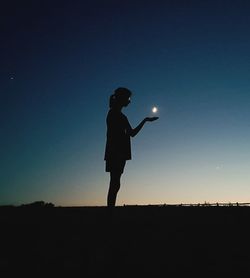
x=118, y=145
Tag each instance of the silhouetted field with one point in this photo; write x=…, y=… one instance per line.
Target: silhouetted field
x=136, y=241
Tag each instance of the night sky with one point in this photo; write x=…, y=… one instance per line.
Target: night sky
x=60, y=62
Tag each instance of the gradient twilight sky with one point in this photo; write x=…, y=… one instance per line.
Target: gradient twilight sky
x=60, y=62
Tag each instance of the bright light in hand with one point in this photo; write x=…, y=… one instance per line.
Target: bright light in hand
x=154, y=109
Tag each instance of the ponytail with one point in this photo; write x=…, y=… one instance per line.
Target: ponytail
x=111, y=101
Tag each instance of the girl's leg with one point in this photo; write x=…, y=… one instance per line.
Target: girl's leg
x=114, y=187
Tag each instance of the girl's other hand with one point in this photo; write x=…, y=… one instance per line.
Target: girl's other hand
x=151, y=119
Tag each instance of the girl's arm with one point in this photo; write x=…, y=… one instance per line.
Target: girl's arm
x=134, y=131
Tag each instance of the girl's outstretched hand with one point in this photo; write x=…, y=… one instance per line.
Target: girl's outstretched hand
x=151, y=119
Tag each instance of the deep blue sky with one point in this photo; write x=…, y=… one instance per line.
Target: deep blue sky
x=61, y=60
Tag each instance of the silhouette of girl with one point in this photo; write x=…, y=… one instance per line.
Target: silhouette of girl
x=118, y=146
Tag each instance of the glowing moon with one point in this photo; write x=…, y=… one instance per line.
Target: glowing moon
x=154, y=109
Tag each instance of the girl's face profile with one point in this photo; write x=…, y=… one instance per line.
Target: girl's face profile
x=125, y=101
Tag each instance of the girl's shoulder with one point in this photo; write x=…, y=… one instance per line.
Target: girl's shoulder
x=116, y=117
x=115, y=113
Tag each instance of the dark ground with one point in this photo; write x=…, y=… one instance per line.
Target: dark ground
x=136, y=242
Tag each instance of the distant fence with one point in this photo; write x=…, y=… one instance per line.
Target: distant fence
x=205, y=204
x=216, y=204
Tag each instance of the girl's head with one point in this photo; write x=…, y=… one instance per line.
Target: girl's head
x=120, y=98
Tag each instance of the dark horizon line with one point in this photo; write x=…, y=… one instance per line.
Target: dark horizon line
x=41, y=204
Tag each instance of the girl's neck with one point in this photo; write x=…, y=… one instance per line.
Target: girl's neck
x=117, y=108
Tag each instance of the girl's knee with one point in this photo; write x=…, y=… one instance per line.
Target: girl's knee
x=114, y=186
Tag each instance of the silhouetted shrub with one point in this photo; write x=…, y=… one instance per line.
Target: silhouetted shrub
x=38, y=204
